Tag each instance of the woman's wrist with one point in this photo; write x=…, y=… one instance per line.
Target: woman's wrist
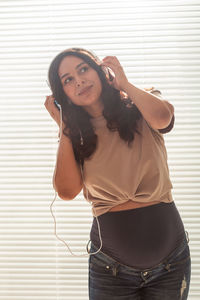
x=61, y=135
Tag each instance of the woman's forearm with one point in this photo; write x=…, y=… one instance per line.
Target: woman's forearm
x=156, y=112
x=67, y=179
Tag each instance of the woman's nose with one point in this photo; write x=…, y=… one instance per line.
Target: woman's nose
x=79, y=81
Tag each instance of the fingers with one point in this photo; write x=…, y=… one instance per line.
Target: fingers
x=49, y=104
x=111, y=58
x=52, y=109
x=49, y=100
x=113, y=63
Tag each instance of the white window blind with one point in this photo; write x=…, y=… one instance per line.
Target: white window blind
x=157, y=43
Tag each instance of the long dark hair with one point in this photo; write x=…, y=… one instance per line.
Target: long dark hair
x=120, y=113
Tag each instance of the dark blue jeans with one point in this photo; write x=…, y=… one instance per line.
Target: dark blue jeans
x=170, y=280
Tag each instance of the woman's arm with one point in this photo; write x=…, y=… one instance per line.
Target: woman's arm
x=67, y=179
x=158, y=113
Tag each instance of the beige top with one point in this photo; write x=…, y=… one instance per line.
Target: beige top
x=116, y=173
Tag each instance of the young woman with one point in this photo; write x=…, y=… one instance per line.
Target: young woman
x=112, y=131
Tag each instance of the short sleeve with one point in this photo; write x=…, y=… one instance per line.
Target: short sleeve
x=171, y=125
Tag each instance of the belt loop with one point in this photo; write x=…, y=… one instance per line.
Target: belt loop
x=187, y=236
x=87, y=247
x=115, y=269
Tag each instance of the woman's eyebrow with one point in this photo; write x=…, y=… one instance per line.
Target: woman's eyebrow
x=82, y=63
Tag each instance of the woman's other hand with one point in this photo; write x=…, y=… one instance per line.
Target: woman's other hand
x=120, y=80
x=52, y=109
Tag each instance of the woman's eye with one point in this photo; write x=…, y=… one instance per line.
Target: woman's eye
x=84, y=68
x=67, y=80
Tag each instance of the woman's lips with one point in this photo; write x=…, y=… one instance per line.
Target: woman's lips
x=85, y=91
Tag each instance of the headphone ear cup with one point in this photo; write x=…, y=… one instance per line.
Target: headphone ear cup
x=110, y=75
x=107, y=72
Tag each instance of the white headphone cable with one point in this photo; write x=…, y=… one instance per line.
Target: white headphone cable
x=61, y=132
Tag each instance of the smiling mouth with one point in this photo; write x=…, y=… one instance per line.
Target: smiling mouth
x=85, y=90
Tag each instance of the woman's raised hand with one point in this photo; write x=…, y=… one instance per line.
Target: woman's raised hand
x=120, y=80
x=52, y=109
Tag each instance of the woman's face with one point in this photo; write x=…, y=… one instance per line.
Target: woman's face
x=80, y=82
